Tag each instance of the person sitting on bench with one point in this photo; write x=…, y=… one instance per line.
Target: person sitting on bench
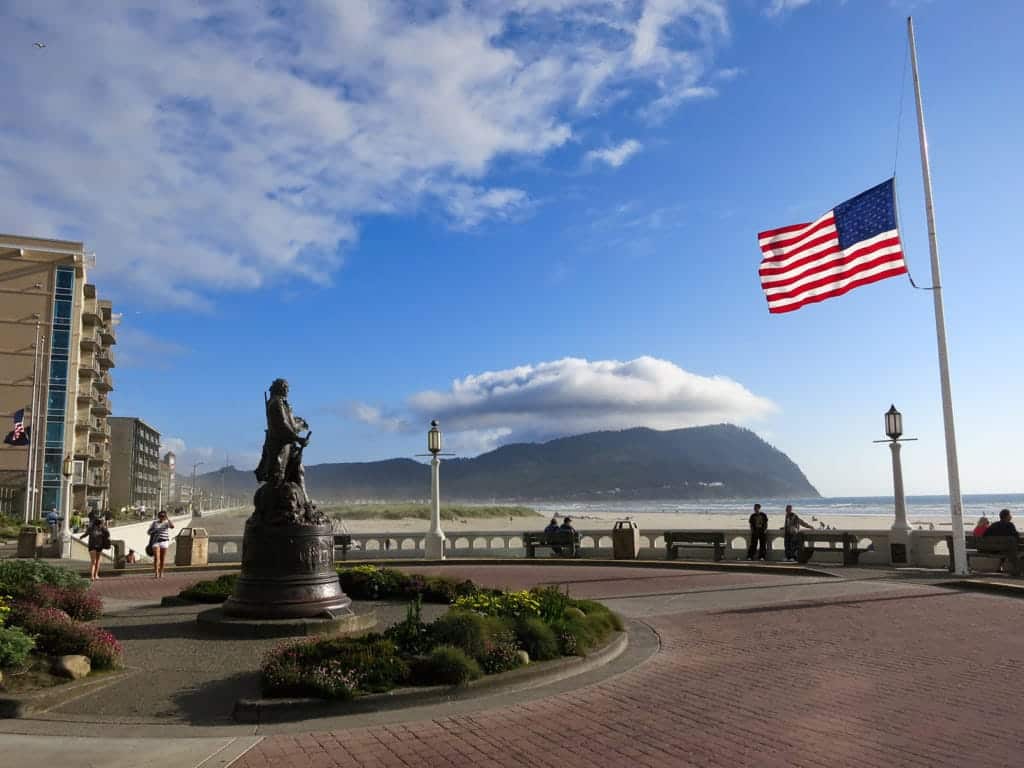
x=1004, y=527
x=552, y=526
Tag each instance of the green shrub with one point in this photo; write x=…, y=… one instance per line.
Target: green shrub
x=445, y=665
x=333, y=667
x=15, y=646
x=537, y=639
x=411, y=636
x=462, y=629
x=212, y=590
x=572, y=612
x=368, y=582
x=551, y=602
x=18, y=577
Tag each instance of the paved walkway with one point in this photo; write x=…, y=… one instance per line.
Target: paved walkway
x=753, y=670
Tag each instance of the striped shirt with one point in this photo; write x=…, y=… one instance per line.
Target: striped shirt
x=160, y=532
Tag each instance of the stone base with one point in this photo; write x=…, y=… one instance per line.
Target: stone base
x=434, y=546
x=216, y=623
x=287, y=573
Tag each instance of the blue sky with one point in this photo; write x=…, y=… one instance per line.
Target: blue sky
x=526, y=218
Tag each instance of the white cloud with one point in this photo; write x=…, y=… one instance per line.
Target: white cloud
x=369, y=414
x=615, y=156
x=777, y=7
x=175, y=445
x=203, y=147
x=573, y=395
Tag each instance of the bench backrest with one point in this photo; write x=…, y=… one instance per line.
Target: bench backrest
x=997, y=543
x=690, y=537
x=557, y=537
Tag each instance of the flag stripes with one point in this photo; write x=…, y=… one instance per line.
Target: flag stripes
x=854, y=244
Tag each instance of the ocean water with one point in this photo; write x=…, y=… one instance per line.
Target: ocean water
x=920, y=508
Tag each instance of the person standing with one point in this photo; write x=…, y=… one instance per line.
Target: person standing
x=160, y=540
x=97, y=537
x=792, y=526
x=758, y=534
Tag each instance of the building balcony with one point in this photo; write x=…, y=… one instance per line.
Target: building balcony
x=97, y=430
x=88, y=369
x=105, y=357
x=83, y=423
x=89, y=342
x=101, y=406
x=98, y=480
x=107, y=335
x=104, y=383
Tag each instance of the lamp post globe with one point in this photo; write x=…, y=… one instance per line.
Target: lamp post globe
x=893, y=423
x=434, y=438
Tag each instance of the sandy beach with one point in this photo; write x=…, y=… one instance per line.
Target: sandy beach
x=233, y=523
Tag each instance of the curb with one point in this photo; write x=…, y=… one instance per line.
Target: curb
x=17, y=706
x=258, y=711
x=998, y=587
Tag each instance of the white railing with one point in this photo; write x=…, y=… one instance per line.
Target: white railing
x=927, y=548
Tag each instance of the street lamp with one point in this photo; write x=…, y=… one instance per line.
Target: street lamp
x=900, y=530
x=68, y=470
x=435, y=541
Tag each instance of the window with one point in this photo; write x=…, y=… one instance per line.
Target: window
x=65, y=279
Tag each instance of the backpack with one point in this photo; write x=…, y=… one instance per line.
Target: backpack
x=106, y=538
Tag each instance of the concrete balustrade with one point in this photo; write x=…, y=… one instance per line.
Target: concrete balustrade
x=927, y=548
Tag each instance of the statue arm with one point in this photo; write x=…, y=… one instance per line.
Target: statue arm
x=281, y=422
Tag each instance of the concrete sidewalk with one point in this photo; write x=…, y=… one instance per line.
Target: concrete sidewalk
x=23, y=751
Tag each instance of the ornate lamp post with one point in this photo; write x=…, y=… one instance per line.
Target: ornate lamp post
x=68, y=469
x=434, y=549
x=900, y=530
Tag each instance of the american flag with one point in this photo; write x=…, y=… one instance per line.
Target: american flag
x=854, y=244
x=18, y=435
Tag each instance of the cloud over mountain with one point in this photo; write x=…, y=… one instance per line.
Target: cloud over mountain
x=573, y=395
x=202, y=147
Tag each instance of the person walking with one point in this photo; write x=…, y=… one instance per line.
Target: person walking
x=97, y=537
x=758, y=534
x=792, y=526
x=159, y=541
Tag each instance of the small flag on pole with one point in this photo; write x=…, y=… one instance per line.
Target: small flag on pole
x=18, y=435
x=854, y=244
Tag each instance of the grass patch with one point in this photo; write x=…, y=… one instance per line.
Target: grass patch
x=410, y=511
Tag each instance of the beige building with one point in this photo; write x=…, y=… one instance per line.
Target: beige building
x=55, y=360
x=134, y=464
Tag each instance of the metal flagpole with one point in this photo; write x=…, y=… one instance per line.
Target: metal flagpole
x=952, y=466
x=29, y=478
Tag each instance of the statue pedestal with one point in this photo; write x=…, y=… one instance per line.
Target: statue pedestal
x=287, y=573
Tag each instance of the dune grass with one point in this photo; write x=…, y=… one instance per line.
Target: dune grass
x=408, y=510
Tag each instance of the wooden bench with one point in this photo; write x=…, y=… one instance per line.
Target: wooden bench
x=343, y=541
x=806, y=542
x=564, y=543
x=676, y=540
x=1008, y=548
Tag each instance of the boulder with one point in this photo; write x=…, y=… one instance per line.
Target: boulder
x=75, y=667
x=524, y=657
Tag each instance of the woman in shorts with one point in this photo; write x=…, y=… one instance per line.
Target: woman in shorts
x=97, y=538
x=160, y=539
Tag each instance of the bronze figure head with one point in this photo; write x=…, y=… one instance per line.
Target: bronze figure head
x=279, y=387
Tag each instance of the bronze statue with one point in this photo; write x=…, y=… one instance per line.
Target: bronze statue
x=283, y=496
x=288, y=546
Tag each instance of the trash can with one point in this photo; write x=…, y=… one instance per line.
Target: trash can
x=192, y=547
x=626, y=540
x=30, y=539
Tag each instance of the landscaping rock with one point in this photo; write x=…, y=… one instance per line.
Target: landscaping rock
x=524, y=657
x=73, y=666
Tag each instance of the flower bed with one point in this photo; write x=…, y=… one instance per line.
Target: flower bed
x=44, y=610
x=485, y=632
x=211, y=591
